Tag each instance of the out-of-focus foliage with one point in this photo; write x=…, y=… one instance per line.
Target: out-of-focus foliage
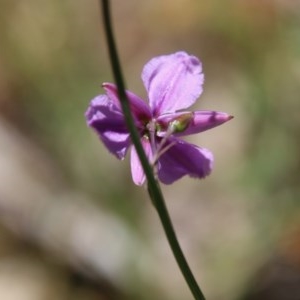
x=53, y=59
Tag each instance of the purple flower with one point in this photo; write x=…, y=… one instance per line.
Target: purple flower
x=173, y=83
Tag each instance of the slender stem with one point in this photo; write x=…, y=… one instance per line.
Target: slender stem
x=153, y=186
x=116, y=67
x=164, y=216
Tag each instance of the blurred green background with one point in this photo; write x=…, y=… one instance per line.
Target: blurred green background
x=74, y=226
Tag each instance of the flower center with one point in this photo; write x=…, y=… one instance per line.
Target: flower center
x=159, y=133
x=151, y=128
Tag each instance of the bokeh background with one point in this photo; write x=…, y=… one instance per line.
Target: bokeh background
x=72, y=223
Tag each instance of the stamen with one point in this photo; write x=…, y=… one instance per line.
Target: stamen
x=151, y=133
x=160, y=150
x=169, y=132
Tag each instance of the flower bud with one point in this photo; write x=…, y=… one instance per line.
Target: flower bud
x=180, y=123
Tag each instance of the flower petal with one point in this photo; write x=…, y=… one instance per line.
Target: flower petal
x=195, y=122
x=108, y=121
x=139, y=108
x=173, y=82
x=184, y=159
x=137, y=171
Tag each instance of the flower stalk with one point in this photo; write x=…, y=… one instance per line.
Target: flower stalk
x=153, y=185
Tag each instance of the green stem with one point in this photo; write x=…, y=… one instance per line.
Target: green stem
x=153, y=186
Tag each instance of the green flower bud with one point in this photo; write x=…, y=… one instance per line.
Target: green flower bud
x=180, y=123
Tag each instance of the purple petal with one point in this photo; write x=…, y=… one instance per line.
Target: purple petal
x=184, y=159
x=173, y=82
x=139, y=108
x=137, y=171
x=108, y=121
x=196, y=121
